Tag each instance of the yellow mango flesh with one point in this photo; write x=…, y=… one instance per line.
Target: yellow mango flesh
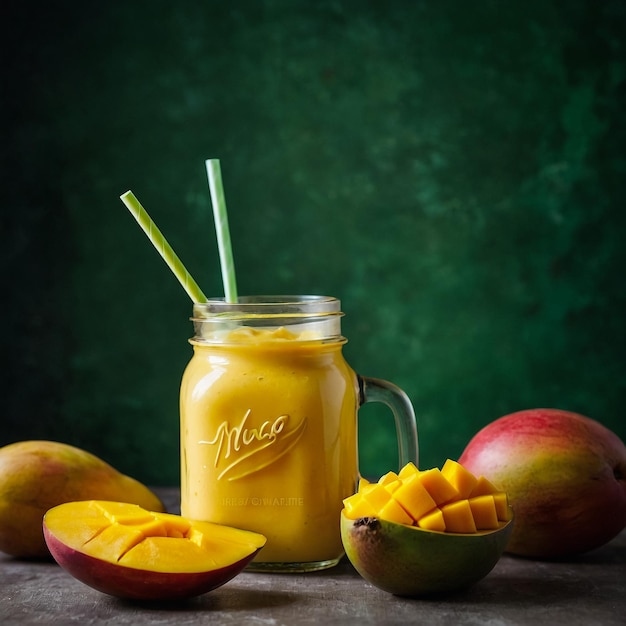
x=408, y=470
x=438, y=486
x=377, y=496
x=356, y=506
x=483, y=487
x=484, y=512
x=448, y=500
x=129, y=536
x=502, y=506
x=460, y=478
x=414, y=497
x=393, y=485
x=458, y=517
x=432, y=521
x=389, y=477
x=394, y=512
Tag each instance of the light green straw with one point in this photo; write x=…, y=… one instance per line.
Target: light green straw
x=220, y=216
x=163, y=248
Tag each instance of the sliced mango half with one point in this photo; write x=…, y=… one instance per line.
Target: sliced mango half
x=126, y=551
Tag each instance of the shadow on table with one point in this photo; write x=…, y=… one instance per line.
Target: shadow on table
x=226, y=598
x=522, y=590
x=524, y=582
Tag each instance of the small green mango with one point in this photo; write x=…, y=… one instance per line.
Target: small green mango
x=409, y=561
x=38, y=475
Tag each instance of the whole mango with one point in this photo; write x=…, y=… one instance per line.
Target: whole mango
x=565, y=476
x=38, y=475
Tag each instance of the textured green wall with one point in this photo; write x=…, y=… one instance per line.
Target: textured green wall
x=453, y=171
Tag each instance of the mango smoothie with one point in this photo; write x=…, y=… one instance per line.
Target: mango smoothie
x=269, y=439
x=269, y=411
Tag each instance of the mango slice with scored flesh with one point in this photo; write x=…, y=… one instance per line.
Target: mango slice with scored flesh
x=126, y=551
x=449, y=500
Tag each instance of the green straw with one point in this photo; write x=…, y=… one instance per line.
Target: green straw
x=163, y=248
x=220, y=216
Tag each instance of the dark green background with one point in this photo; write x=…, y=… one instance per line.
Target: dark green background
x=453, y=171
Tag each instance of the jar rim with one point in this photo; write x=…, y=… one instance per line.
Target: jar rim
x=314, y=317
x=268, y=305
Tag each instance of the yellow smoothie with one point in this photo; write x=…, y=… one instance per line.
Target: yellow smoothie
x=269, y=440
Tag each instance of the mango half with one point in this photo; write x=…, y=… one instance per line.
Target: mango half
x=422, y=532
x=126, y=551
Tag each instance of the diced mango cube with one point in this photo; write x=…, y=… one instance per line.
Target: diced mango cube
x=438, y=486
x=484, y=512
x=393, y=485
x=414, y=497
x=458, y=517
x=408, y=470
x=363, y=482
x=387, y=478
x=502, y=506
x=463, y=480
x=393, y=512
x=352, y=501
x=377, y=496
x=357, y=506
x=432, y=521
x=483, y=487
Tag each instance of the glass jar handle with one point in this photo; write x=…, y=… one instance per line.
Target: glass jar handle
x=378, y=390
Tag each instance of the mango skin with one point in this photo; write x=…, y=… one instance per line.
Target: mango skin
x=408, y=561
x=37, y=475
x=565, y=476
x=123, y=582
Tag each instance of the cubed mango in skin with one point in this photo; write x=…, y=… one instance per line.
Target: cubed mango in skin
x=438, y=486
x=414, y=497
x=463, y=480
x=432, y=521
x=433, y=499
x=458, y=517
x=484, y=512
